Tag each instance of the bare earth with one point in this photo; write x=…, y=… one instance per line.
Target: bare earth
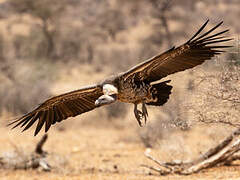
x=100, y=153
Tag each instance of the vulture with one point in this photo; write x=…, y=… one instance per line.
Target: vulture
x=138, y=85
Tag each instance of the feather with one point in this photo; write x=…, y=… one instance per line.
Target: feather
x=195, y=51
x=59, y=108
x=40, y=122
x=30, y=123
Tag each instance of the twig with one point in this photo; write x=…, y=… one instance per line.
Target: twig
x=156, y=161
x=40, y=144
x=36, y=159
x=160, y=171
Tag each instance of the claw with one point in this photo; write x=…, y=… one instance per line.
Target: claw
x=140, y=122
x=144, y=112
x=139, y=115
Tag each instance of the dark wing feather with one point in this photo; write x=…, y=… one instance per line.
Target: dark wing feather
x=192, y=53
x=59, y=108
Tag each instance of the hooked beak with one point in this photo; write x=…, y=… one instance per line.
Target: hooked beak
x=97, y=103
x=105, y=99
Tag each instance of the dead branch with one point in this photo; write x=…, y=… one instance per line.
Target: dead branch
x=224, y=153
x=202, y=118
x=161, y=9
x=40, y=144
x=20, y=160
x=231, y=159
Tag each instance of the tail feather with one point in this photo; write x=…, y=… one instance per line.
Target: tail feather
x=160, y=93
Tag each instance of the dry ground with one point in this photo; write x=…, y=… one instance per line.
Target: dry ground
x=90, y=152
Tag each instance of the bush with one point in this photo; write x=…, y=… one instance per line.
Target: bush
x=24, y=86
x=170, y=117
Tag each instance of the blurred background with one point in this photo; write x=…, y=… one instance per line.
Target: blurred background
x=48, y=47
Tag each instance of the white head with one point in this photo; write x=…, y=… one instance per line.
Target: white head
x=109, y=89
x=105, y=99
x=109, y=95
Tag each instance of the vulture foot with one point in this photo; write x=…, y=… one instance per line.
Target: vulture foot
x=144, y=112
x=141, y=114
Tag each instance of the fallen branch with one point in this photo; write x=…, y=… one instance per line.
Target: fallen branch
x=19, y=160
x=40, y=144
x=224, y=153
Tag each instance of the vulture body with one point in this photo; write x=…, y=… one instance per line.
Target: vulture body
x=133, y=86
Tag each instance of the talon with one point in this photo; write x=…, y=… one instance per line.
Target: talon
x=139, y=115
x=144, y=112
x=145, y=119
x=139, y=118
x=140, y=122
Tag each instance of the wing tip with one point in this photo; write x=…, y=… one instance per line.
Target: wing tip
x=15, y=120
x=206, y=38
x=35, y=133
x=199, y=31
x=194, y=39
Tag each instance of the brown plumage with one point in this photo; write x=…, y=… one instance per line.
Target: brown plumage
x=61, y=107
x=133, y=86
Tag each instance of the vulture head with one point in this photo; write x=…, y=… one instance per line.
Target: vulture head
x=110, y=95
x=105, y=99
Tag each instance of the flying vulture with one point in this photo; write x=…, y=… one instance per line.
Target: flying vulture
x=134, y=86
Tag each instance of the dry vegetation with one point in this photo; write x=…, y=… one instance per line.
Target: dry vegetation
x=48, y=47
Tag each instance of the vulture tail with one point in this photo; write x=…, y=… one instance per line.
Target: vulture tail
x=160, y=93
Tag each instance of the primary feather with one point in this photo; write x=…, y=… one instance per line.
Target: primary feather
x=60, y=107
x=192, y=53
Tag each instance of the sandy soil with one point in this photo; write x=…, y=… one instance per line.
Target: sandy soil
x=104, y=153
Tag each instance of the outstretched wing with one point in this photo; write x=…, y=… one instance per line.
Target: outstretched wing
x=60, y=107
x=192, y=53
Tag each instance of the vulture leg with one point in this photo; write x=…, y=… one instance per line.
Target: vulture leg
x=144, y=112
x=138, y=115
